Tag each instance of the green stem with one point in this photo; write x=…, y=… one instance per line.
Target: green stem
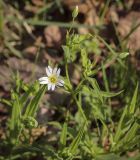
x=67, y=75
x=80, y=108
x=49, y=23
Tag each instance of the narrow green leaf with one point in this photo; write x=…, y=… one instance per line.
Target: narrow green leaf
x=74, y=145
x=63, y=135
x=131, y=133
x=95, y=85
x=127, y=117
x=105, y=78
x=88, y=92
x=33, y=105
x=110, y=94
x=119, y=130
x=55, y=124
x=132, y=107
x=16, y=113
x=24, y=97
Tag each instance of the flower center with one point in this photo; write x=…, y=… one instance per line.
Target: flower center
x=53, y=79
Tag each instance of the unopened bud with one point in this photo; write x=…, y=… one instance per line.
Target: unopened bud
x=75, y=12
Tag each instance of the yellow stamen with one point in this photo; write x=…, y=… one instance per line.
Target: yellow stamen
x=53, y=79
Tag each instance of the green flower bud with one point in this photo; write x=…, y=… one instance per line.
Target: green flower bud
x=123, y=55
x=75, y=12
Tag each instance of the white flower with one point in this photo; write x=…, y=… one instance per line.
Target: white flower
x=52, y=78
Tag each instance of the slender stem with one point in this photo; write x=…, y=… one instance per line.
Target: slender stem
x=79, y=85
x=131, y=31
x=80, y=108
x=49, y=23
x=104, y=10
x=35, y=62
x=67, y=75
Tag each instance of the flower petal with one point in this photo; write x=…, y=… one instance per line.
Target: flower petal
x=53, y=87
x=43, y=82
x=43, y=79
x=58, y=72
x=60, y=82
x=50, y=69
x=49, y=86
x=54, y=71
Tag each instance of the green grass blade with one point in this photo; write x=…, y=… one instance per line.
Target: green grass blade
x=16, y=113
x=36, y=22
x=12, y=49
x=25, y=96
x=33, y=105
x=105, y=78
